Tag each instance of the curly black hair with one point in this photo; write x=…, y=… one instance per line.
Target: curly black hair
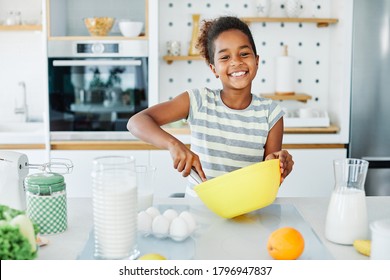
x=211, y=29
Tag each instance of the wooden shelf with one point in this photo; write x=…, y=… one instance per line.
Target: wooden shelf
x=321, y=22
x=94, y=38
x=302, y=97
x=20, y=27
x=169, y=59
x=311, y=130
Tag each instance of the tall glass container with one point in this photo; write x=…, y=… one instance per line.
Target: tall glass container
x=114, y=196
x=347, y=219
x=145, y=185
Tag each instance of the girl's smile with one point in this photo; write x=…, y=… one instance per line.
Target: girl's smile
x=235, y=62
x=238, y=74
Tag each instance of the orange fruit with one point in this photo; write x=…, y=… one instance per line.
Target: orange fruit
x=285, y=243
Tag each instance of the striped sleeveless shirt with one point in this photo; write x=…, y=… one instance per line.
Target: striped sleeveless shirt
x=226, y=139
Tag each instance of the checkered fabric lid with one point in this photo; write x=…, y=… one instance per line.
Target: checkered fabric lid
x=44, y=183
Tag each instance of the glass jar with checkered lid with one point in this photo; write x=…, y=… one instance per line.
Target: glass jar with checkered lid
x=46, y=201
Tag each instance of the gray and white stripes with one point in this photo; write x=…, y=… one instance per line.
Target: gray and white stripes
x=227, y=139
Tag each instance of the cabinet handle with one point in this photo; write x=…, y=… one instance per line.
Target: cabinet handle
x=378, y=162
x=97, y=62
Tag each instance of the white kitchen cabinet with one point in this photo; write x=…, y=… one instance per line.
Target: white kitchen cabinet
x=312, y=175
x=79, y=183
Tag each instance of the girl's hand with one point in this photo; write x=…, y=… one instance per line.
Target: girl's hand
x=286, y=162
x=184, y=159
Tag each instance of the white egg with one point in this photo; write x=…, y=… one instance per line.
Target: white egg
x=179, y=229
x=144, y=222
x=160, y=226
x=153, y=212
x=190, y=220
x=170, y=214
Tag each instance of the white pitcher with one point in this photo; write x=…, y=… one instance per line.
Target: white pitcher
x=346, y=219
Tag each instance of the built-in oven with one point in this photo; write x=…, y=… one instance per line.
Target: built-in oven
x=95, y=87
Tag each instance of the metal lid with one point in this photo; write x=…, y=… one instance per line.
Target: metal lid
x=44, y=183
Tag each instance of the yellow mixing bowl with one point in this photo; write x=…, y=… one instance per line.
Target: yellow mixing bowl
x=243, y=190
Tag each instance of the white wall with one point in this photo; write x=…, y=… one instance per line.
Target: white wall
x=30, y=9
x=21, y=57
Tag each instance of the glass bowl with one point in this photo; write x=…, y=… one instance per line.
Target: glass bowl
x=99, y=26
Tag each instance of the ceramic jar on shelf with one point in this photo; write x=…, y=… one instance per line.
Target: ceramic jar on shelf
x=14, y=18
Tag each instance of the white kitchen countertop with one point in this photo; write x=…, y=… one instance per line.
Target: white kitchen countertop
x=37, y=133
x=68, y=245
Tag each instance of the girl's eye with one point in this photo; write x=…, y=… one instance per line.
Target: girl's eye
x=225, y=57
x=244, y=54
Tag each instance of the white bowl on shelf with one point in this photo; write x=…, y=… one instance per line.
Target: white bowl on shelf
x=130, y=28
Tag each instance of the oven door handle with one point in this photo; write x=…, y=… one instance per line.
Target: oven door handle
x=88, y=62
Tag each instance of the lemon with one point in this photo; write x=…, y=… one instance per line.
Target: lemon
x=152, y=256
x=363, y=247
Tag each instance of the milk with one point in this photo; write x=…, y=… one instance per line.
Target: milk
x=115, y=216
x=145, y=200
x=346, y=219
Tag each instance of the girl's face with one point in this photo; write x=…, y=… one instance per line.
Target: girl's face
x=235, y=62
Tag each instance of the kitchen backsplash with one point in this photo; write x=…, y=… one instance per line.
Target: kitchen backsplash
x=306, y=42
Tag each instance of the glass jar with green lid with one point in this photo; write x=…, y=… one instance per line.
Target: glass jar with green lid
x=46, y=201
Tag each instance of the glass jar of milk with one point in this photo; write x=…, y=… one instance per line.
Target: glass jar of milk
x=346, y=218
x=114, y=201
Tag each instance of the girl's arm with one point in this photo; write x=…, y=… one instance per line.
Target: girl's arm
x=273, y=149
x=146, y=125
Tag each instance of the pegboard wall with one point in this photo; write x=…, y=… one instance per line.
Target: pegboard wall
x=306, y=42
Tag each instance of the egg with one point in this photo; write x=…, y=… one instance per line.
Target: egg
x=170, y=214
x=144, y=222
x=153, y=212
x=160, y=226
x=179, y=229
x=190, y=220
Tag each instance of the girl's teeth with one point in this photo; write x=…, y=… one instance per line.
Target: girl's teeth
x=236, y=74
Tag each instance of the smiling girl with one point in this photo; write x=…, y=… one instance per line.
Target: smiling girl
x=230, y=127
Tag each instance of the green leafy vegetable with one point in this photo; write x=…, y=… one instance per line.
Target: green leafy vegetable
x=14, y=244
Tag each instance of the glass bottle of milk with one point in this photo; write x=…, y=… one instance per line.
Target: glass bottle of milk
x=346, y=218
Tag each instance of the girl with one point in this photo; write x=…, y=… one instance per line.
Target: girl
x=230, y=127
